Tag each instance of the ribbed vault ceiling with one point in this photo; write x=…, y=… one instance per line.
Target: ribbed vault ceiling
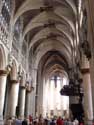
x=51, y=28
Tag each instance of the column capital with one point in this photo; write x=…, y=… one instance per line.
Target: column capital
x=14, y=81
x=85, y=70
x=23, y=87
x=29, y=89
x=3, y=72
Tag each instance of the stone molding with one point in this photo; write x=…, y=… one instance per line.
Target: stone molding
x=23, y=87
x=3, y=72
x=85, y=71
x=14, y=81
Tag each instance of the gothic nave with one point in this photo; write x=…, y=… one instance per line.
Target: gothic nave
x=46, y=59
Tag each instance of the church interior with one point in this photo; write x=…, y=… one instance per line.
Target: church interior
x=46, y=59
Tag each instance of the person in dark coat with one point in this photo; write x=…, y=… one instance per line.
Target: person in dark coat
x=52, y=122
x=24, y=122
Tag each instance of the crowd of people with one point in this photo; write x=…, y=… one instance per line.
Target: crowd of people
x=45, y=121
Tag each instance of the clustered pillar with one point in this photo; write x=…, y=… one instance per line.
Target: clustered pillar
x=22, y=101
x=27, y=104
x=13, y=98
x=88, y=108
x=3, y=75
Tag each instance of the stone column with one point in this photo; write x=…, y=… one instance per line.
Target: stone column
x=3, y=75
x=90, y=7
x=13, y=98
x=33, y=99
x=87, y=90
x=22, y=101
x=27, y=104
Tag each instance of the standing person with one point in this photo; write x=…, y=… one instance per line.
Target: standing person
x=52, y=122
x=40, y=121
x=75, y=122
x=18, y=122
x=81, y=123
x=10, y=121
x=46, y=121
x=24, y=122
x=59, y=121
x=30, y=119
x=35, y=121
